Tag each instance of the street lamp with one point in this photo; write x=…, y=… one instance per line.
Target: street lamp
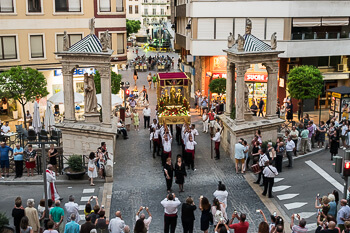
x=125, y=86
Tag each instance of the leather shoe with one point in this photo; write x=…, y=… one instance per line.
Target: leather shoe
x=263, y=194
x=261, y=185
x=271, y=196
x=256, y=182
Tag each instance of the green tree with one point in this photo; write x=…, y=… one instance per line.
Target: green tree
x=115, y=82
x=132, y=26
x=23, y=85
x=305, y=82
x=218, y=85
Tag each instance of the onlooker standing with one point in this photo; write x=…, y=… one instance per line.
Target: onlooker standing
x=127, y=119
x=217, y=139
x=146, y=221
x=92, y=169
x=301, y=228
x=170, y=204
x=136, y=119
x=140, y=227
x=280, y=149
x=334, y=139
x=289, y=110
x=52, y=155
x=343, y=213
x=240, y=227
x=41, y=212
x=269, y=173
x=294, y=133
x=146, y=116
x=101, y=223
x=239, y=155
x=221, y=193
x=187, y=215
x=254, y=108
x=205, y=119
x=57, y=216
x=87, y=226
x=50, y=227
x=18, y=158
x=310, y=136
x=261, y=107
x=206, y=216
x=149, y=80
x=212, y=116
x=261, y=162
x=168, y=173
x=290, y=147
x=72, y=208
x=4, y=158
x=72, y=226
x=25, y=226
x=180, y=173
x=304, y=139
x=204, y=104
x=32, y=215
x=322, y=134
x=5, y=128
x=117, y=224
x=17, y=214
x=30, y=160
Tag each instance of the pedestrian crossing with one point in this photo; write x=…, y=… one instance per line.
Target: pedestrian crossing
x=83, y=200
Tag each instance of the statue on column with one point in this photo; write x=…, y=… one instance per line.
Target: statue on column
x=65, y=41
x=240, y=43
x=92, y=26
x=246, y=98
x=90, y=99
x=273, y=41
x=105, y=41
x=230, y=40
x=248, y=26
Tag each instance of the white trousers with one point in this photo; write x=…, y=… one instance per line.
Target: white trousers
x=205, y=126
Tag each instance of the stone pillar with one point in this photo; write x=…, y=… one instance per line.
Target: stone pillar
x=272, y=85
x=230, y=88
x=105, y=72
x=240, y=108
x=68, y=92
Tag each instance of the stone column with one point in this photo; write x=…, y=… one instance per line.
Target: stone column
x=105, y=72
x=272, y=85
x=240, y=108
x=230, y=88
x=68, y=92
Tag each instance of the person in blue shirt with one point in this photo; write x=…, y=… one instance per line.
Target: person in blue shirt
x=18, y=157
x=72, y=226
x=4, y=159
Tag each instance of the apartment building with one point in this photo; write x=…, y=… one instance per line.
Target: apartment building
x=31, y=31
x=310, y=32
x=134, y=10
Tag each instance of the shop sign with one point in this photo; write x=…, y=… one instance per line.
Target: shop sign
x=219, y=75
x=260, y=78
x=336, y=95
x=78, y=71
x=219, y=63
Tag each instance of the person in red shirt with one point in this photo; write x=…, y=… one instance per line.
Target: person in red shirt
x=240, y=227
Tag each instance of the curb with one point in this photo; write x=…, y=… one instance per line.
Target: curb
x=40, y=182
x=307, y=154
x=107, y=198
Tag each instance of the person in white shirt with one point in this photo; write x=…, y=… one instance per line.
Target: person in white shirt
x=166, y=141
x=146, y=116
x=239, y=155
x=216, y=139
x=170, y=204
x=189, y=148
x=205, y=119
x=269, y=173
x=117, y=224
x=72, y=208
x=290, y=147
x=154, y=124
x=5, y=128
x=194, y=131
x=221, y=194
x=142, y=216
x=261, y=162
x=154, y=137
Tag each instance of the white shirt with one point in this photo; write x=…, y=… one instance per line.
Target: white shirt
x=205, y=117
x=154, y=126
x=262, y=159
x=5, y=129
x=270, y=171
x=187, y=136
x=146, y=221
x=194, y=132
x=344, y=128
x=146, y=112
x=170, y=206
x=156, y=133
x=290, y=145
x=167, y=144
x=216, y=138
x=72, y=208
x=221, y=196
x=190, y=145
x=116, y=225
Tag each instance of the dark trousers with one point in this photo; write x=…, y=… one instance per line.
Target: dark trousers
x=125, y=134
x=169, y=183
x=295, y=149
x=278, y=162
x=156, y=147
x=146, y=120
x=170, y=223
x=268, y=183
x=217, y=149
x=261, y=112
x=19, y=168
x=187, y=226
x=313, y=141
x=260, y=175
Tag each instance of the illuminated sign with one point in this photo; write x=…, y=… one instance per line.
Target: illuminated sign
x=78, y=71
x=249, y=77
x=219, y=63
x=336, y=95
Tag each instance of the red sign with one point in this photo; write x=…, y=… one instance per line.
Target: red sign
x=251, y=77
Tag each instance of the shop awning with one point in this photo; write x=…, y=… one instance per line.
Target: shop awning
x=175, y=75
x=306, y=22
x=335, y=76
x=341, y=90
x=335, y=21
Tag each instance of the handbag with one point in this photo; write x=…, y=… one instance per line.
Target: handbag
x=31, y=160
x=91, y=169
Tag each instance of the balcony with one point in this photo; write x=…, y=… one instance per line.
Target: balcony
x=319, y=35
x=157, y=15
x=154, y=3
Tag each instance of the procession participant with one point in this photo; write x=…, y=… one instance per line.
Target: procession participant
x=170, y=204
x=269, y=173
x=216, y=139
x=178, y=135
x=155, y=139
x=187, y=156
x=146, y=116
x=194, y=131
x=183, y=129
x=154, y=124
x=180, y=173
x=261, y=162
x=51, y=186
x=169, y=173
x=211, y=121
x=190, y=150
x=167, y=139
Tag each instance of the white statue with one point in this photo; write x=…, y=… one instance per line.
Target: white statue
x=230, y=40
x=273, y=41
x=248, y=26
x=240, y=43
x=92, y=26
x=90, y=99
x=105, y=41
x=65, y=41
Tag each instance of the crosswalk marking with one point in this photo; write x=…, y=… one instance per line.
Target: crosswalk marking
x=81, y=207
x=294, y=205
x=287, y=196
x=278, y=179
x=280, y=188
x=82, y=217
x=325, y=175
x=88, y=190
x=306, y=215
x=311, y=226
x=85, y=199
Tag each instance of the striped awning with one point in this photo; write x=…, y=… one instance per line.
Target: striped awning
x=253, y=44
x=89, y=44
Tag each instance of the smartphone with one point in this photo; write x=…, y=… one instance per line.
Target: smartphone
x=295, y=215
x=201, y=197
x=318, y=195
x=235, y=212
x=102, y=206
x=258, y=211
x=94, y=197
x=143, y=207
x=274, y=214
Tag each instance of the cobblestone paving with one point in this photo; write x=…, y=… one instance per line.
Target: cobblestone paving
x=139, y=179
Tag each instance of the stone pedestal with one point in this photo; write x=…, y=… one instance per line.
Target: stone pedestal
x=81, y=138
x=92, y=117
x=233, y=132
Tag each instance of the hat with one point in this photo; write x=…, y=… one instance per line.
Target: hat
x=269, y=143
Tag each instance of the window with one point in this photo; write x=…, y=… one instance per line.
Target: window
x=36, y=46
x=154, y=11
x=136, y=9
x=6, y=6
x=120, y=6
x=67, y=5
x=162, y=11
x=72, y=39
x=130, y=9
x=120, y=43
x=105, y=6
x=145, y=1
x=34, y=6
x=8, y=49
x=146, y=11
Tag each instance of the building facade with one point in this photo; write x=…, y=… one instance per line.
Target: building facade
x=310, y=32
x=31, y=31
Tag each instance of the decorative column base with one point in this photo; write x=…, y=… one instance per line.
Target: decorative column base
x=248, y=116
x=270, y=117
x=92, y=117
x=239, y=122
x=227, y=114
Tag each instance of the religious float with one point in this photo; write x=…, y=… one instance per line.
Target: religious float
x=172, y=96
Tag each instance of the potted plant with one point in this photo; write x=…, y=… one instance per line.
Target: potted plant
x=75, y=169
x=4, y=224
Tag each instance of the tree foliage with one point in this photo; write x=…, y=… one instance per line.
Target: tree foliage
x=132, y=26
x=23, y=85
x=218, y=85
x=115, y=82
x=305, y=82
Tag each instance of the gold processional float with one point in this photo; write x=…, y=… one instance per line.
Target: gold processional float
x=172, y=98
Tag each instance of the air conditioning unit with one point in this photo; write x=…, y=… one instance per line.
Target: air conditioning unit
x=342, y=67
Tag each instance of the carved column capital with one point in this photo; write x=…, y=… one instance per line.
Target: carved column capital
x=105, y=71
x=242, y=69
x=271, y=67
x=67, y=69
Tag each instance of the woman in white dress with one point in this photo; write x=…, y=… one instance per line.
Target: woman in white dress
x=127, y=119
x=92, y=173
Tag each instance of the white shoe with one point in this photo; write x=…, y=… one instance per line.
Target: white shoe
x=2, y=177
